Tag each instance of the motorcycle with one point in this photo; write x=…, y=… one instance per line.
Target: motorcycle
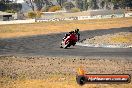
x=70, y=40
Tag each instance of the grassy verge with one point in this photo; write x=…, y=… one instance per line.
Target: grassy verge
x=18, y=30
x=54, y=81
x=123, y=39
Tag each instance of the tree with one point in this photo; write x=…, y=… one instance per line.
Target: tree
x=39, y=4
x=16, y=7
x=68, y=5
x=82, y=4
x=61, y=2
x=102, y=4
x=93, y=4
x=86, y=4
x=5, y=1
x=128, y=3
x=10, y=6
x=2, y=6
x=79, y=4
x=30, y=3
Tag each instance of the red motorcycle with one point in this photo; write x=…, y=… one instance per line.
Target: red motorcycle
x=69, y=40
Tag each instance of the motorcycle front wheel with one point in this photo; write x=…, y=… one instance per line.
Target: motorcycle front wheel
x=67, y=45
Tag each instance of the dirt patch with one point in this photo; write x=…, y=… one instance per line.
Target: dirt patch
x=121, y=39
x=58, y=72
x=116, y=38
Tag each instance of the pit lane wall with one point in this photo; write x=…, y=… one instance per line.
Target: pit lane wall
x=85, y=15
x=66, y=18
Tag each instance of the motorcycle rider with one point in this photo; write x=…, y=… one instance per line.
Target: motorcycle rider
x=73, y=35
x=68, y=34
x=76, y=32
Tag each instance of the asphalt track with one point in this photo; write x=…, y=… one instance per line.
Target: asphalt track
x=48, y=45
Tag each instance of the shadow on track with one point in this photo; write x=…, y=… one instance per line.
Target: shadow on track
x=49, y=45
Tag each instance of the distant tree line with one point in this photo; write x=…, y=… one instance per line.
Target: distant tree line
x=78, y=5
x=100, y=4
x=82, y=5
x=10, y=6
